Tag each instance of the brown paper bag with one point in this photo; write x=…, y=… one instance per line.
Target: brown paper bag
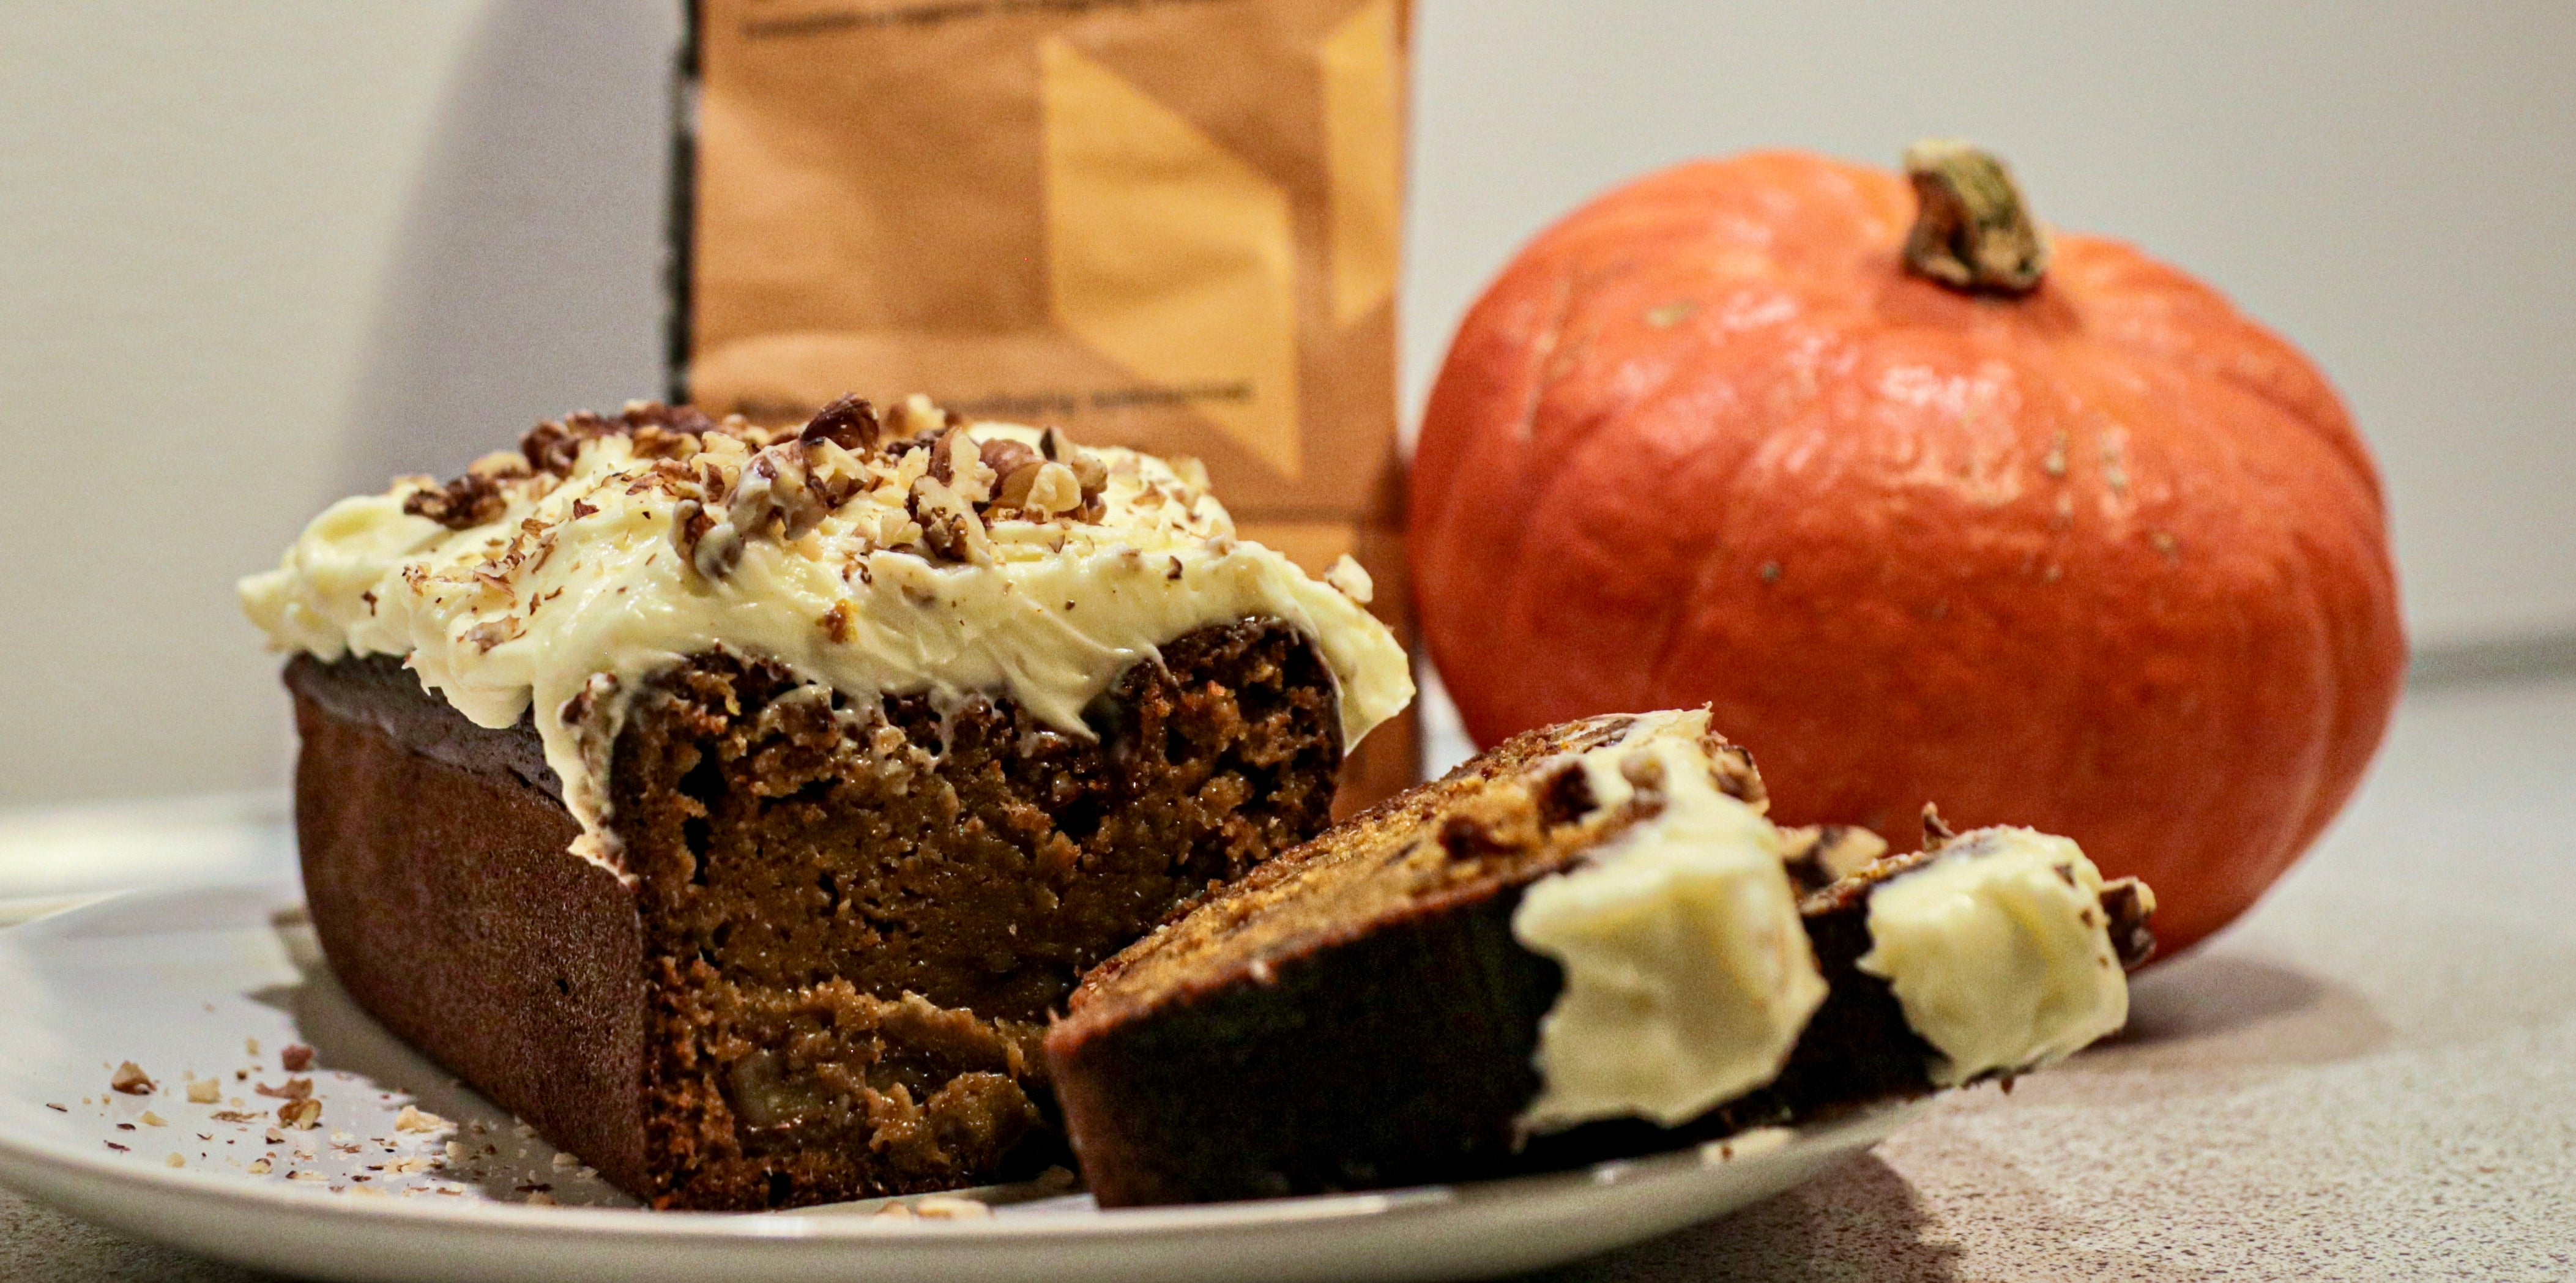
x=1169, y=224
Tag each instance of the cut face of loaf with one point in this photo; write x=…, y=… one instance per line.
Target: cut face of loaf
x=1394, y=1003
x=822, y=963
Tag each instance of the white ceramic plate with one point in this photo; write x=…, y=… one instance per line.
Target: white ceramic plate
x=183, y=982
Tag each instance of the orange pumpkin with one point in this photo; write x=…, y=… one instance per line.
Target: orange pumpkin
x=2081, y=548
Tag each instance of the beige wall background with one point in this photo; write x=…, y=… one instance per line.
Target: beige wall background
x=253, y=257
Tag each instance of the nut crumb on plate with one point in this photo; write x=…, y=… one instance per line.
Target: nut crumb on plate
x=131, y=1080
x=415, y=1119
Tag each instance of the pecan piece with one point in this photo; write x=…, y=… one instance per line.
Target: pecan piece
x=1005, y=456
x=462, y=504
x=2129, y=903
x=1042, y=489
x=850, y=423
x=712, y=547
x=957, y=462
x=1818, y=855
x=949, y=525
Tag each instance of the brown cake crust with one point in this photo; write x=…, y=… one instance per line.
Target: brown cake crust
x=823, y=968
x=450, y=910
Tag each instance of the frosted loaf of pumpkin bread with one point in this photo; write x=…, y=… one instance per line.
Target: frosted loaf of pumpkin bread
x=734, y=804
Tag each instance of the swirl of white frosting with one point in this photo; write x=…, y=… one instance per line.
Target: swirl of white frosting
x=578, y=584
x=2000, y=953
x=1688, y=975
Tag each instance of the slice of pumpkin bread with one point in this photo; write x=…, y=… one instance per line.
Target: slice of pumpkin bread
x=1583, y=944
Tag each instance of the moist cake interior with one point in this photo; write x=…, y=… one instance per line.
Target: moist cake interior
x=857, y=914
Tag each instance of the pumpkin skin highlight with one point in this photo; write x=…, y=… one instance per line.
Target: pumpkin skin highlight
x=2107, y=559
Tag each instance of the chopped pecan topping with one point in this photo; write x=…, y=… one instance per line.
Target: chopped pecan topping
x=1090, y=475
x=2130, y=903
x=1040, y=490
x=552, y=446
x=773, y=490
x=1005, y=456
x=655, y=442
x=957, y=461
x=1819, y=855
x=1013, y=489
x=466, y=502
x=1731, y=765
x=850, y=423
x=949, y=525
x=712, y=547
x=659, y=431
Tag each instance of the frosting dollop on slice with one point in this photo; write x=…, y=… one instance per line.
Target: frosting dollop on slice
x=2000, y=953
x=1688, y=975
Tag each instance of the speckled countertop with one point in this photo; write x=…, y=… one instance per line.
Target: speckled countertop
x=2373, y=1076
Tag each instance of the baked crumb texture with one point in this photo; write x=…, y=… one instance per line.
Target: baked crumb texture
x=826, y=972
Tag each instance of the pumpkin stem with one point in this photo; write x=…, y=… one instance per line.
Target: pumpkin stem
x=1973, y=231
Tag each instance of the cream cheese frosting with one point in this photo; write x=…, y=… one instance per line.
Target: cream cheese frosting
x=1688, y=975
x=921, y=555
x=2000, y=953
